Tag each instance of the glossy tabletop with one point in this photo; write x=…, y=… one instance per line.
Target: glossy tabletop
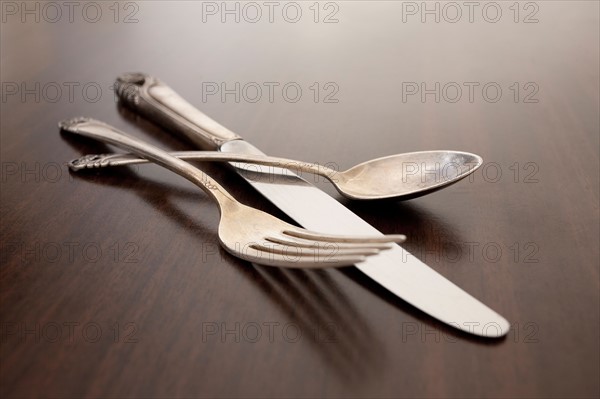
x=113, y=283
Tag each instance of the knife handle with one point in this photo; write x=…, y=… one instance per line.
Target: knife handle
x=159, y=103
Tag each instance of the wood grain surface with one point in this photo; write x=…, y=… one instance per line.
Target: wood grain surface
x=113, y=283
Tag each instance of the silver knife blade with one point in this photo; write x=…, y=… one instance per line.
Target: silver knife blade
x=395, y=269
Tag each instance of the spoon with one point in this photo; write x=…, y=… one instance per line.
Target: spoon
x=400, y=176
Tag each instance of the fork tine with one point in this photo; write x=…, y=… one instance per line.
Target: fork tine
x=311, y=235
x=299, y=262
x=340, y=261
x=301, y=242
x=325, y=253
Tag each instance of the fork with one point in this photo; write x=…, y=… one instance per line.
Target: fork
x=246, y=232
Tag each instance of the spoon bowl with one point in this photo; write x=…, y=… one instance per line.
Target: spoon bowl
x=405, y=176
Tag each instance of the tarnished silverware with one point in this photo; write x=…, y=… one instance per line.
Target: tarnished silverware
x=399, y=271
x=247, y=232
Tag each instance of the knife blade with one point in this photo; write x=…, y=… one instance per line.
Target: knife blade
x=397, y=270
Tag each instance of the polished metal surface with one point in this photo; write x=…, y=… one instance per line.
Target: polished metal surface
x=396, y=269
x=400, y=176
x=246, y=232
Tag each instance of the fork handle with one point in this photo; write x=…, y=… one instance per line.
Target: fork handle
x=104, y=132
x=159, y=103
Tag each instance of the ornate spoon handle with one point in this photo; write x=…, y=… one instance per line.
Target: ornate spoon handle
x=106, y=160
x=103, y=132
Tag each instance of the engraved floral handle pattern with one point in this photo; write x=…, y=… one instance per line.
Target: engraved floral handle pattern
x=159, y=103
x=101, y=131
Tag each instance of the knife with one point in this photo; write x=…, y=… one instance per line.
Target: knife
x=396, y=269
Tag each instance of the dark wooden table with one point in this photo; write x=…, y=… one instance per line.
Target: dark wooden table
x=113, y=283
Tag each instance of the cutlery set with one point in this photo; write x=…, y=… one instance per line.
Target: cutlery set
x=332, y=236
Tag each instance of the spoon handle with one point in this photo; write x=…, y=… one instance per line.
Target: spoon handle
x=106, y=160
x=103, y=132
